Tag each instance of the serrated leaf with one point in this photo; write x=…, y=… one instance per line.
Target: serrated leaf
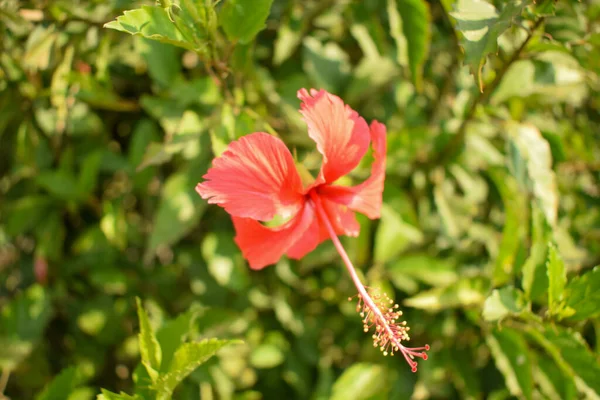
x=557, y=279
x=243, y=19
x=62, y=385
x=504, y=302
x=360, y=382
x=535, y=278
x=153, y=23
x=512, y=358
x=583, y=296
x=412, y=17
x=480, y=25
x=149, y=347
x=186, y=359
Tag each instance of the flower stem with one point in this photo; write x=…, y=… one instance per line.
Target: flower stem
x=388, y=331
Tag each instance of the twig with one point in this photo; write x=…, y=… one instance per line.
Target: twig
x=458, y=139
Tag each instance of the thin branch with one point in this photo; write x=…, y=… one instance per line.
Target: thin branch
x=457, y=141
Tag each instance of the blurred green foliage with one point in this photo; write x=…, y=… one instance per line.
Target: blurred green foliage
x=111, y=111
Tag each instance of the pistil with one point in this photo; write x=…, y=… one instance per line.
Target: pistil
x=377, y=310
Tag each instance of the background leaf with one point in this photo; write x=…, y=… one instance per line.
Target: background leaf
x=243, y=19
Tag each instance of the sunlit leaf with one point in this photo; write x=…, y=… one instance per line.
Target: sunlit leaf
x=361, y=381
x=186, y=359
x=480, y=24
x=149, y=346
x=557, y=279
x=504, y=302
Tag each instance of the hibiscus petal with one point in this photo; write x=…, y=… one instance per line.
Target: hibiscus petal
x=254, y=178
x=366, y=197
x=343, y=221
x=342, y=136
x=263, y=246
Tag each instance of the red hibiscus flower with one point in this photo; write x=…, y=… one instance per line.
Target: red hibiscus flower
x=256, y=179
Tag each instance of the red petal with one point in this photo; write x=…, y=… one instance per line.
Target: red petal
x=263, y=246
x=343, y=221
x=364, y=198
x=342, y=136
x=254, y=178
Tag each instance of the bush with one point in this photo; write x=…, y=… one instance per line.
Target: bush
x=112, y=111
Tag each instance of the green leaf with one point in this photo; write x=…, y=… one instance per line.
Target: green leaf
x=183, y=140
x=163, y=60
x=464, y=293
x=512, y=358
x=149, y=347
x=154, y=23
x=572, y=355
x=480, y=25
x=243, y=19
x=186, y=359
x=62, y=385
x=413, y=18
x=61, y=184
x=266, y=356
x=545, y=8
x=583, y=296
x=173, y=333
x=106, y=395
x=22, y=324
x=360, y=382
x=179, y=211
x=394, y=235
x=327, y=64
x=60, y=87
x=422, y=267
x=535, y=278
x=26, y=213
x=504, y=302
x=553, y=382
x=289, y=36
x=513, y=231
x=39, y=47
x=531, y=163
x=557, y=279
